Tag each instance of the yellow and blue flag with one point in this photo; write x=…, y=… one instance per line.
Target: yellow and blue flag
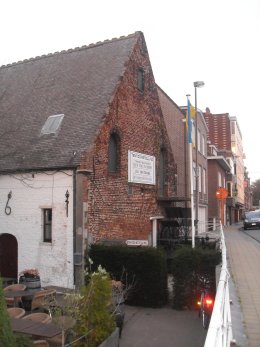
x=190, y=114
x=188, y=122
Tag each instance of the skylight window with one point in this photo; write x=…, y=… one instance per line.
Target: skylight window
x=52, y=124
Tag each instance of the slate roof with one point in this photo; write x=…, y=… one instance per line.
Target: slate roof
x=78, y=83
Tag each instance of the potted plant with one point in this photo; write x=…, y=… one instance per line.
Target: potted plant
x=31, y=278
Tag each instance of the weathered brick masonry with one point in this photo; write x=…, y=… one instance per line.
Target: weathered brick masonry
x=118, y=209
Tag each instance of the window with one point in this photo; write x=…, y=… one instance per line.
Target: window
x=194, y=175
x=47, y=225
x=193, y=135
x=229, y=188
x=203, y=145
x=219, y=180
x=199, y=140
x=52, y=124
x=233, y=130
x=200, y=173
x=204, y=181
x=113, y=153
x=140, y=79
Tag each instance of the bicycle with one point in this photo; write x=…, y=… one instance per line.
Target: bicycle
x=205, y=303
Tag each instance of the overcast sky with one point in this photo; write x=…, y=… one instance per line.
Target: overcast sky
x=216, y=41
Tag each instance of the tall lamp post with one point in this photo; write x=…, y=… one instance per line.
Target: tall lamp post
x=197, y=84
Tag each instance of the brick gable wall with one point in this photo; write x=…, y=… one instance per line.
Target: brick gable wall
x=116, y=209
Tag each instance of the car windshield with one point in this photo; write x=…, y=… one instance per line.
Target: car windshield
x=253, y=214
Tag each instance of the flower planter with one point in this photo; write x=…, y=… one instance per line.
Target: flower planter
x=32, y=283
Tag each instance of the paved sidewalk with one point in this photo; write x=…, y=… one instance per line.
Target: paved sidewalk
x=244, y=259
x=161, y=327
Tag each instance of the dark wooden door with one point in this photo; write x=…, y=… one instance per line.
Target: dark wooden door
x=8, y=256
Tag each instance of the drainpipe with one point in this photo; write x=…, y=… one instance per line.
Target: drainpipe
x=74, y=224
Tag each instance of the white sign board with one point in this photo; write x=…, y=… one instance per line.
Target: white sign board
x=141, y=168
x=136, y=242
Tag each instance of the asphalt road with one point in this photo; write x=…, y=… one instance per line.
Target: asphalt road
x=254, y=233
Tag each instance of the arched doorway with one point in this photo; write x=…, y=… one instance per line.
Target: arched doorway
x=8, y=256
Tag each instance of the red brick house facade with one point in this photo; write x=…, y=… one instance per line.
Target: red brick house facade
x=119, y=210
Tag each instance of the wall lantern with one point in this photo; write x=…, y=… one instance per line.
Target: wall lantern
x=8, y=209
x=67, y=194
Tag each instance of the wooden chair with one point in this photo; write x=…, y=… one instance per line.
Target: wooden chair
x=41, y=343
x=14, y=287
x=43, y=298
x=16, y=312
x=39, y=317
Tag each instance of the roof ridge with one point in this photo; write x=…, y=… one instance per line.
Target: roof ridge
x=70, y=50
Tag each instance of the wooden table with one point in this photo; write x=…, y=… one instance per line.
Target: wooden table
x=34, y=328
x=29, y=293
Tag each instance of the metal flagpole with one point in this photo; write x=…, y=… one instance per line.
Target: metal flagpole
x=189, y=127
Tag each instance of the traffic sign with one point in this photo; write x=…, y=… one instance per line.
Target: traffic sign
x=221, y=193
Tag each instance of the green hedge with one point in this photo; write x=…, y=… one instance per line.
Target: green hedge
x=188, y=267
x=145, y=267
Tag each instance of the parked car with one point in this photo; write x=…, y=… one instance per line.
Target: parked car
x=252, y=219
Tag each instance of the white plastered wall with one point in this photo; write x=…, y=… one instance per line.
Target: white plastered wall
x=30, y=194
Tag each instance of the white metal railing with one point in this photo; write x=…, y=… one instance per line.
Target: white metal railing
x=220, y=328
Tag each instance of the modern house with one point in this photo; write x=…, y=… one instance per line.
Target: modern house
x=225, y=134
x=218, y=169
x=85, y=157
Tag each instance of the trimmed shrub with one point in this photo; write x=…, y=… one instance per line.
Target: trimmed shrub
x=144, y=267
x=189, y=266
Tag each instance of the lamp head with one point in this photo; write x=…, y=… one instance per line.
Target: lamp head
x=198, y=84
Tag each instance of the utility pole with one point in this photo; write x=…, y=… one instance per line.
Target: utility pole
x=197, y=84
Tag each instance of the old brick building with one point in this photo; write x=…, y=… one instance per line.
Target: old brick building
x=119, y=209
x=85, y=156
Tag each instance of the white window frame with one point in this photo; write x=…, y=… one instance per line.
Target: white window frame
x=200, y=173
x=204, y=181
x=47, y=224
x=203, y=145
x=199, y=140
x=194, y=175
x=219, y=180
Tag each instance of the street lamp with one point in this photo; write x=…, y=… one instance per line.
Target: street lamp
x=197, y=84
